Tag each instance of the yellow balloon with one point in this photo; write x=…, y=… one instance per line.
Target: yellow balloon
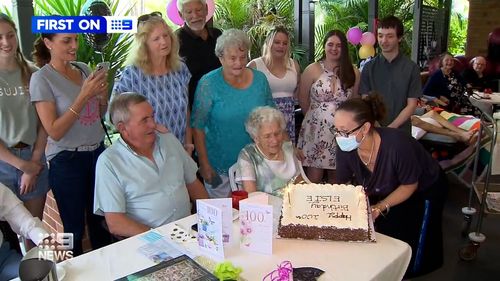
x=366, y=51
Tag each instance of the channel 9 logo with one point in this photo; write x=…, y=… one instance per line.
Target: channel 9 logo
x=83, y=24
x=58, y=246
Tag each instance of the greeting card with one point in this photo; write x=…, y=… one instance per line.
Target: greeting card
x=256, y=224
x=214, y=225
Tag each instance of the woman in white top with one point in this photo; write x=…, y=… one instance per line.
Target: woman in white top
x=282, y=73
x=269, y=163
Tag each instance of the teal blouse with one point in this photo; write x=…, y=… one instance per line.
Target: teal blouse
x=221, y=111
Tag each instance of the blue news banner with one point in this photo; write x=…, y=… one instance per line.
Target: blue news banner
x=83, y=24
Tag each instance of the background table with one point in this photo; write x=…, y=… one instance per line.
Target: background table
x=486, y=105
x=386, y=260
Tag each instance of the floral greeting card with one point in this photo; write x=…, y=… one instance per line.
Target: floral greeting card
x=256, y=224
x=214, y=225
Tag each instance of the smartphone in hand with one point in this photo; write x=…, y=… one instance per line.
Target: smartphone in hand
x=102, y=67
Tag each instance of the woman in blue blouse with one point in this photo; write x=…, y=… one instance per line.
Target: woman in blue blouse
x=157, y=72
x=223, y=100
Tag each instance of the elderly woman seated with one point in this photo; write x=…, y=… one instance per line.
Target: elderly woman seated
x=269, y=163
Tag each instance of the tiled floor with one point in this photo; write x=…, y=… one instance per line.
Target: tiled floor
x=486, y=266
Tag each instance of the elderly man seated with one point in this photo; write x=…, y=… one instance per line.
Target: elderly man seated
x=146, y=178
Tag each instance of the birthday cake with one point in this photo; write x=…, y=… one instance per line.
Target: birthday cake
x=325, y=211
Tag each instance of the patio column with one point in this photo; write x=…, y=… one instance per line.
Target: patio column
x=23, y=9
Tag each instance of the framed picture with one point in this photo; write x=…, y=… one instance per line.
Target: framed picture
x=180, y=268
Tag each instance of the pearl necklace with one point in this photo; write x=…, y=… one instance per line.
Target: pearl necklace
x=265, y=155
x=371, y=154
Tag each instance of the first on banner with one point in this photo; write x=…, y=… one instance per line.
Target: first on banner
x=84, y=24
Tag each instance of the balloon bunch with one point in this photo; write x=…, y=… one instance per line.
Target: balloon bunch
x=173, y=12
x=367, y=40
x=97, y=41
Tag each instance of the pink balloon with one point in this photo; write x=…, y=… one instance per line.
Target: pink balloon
x=367, y=39
x=211, y=8
x=354, y=35
x=173, y=13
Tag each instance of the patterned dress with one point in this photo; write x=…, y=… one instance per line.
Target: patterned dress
x=315, y=138
x=167, y=94
x=283, y=90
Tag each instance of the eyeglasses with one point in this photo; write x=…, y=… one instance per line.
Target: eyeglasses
x=146, y=17
x=344, y=134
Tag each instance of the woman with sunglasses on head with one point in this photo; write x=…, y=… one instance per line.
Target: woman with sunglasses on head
x=282, y=73
x=158, y=73
x=323, y=86
x=22, y=138
x=70, y=100
x=405, y=186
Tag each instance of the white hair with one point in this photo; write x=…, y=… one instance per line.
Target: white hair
x=232, y=38
x=263, y=114
x=119, y=109
x=180, y=3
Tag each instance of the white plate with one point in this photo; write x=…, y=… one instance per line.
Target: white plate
x=61, y=272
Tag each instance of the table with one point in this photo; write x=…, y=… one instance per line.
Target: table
x=386, y=260
x=486, y=105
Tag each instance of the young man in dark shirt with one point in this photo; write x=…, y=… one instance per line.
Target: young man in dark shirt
x=197, y=41
x=393, y=75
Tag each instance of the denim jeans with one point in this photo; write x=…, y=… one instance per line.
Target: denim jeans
x=72, y=179
x=9, y=262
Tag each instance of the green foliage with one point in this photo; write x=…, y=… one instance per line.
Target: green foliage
x=118, y=47
x=5, y=10
x=343, y=14
x=458, y=34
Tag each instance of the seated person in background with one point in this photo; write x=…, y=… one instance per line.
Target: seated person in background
x=22, y=222
x=269, y=163
x=145, y=179
x=447, y=86
x=475, y=78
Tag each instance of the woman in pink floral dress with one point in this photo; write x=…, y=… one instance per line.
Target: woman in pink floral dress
x=324, y=86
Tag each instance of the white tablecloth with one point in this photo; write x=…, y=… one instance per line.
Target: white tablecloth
x=384, y=260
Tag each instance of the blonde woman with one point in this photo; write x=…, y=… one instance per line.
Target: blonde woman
x=282, y=73
x=157, y=72
x=22, y=138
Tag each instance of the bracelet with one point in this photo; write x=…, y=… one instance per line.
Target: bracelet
x=74, y=112
x=379, y=211
x=387, y=207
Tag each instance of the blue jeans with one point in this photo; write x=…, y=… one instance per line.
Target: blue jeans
x=72, y=179
x=11, y=177
x=9, y=262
